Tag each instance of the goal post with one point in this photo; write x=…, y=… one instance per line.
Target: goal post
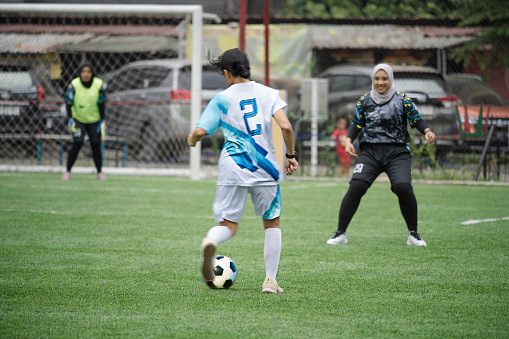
x=196, y=11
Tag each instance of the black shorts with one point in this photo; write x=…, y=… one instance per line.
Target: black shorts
x=90, y=129
x=393, y=159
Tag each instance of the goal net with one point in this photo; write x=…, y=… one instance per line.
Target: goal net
x=154, y=81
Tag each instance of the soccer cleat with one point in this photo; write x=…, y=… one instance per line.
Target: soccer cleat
x=208, y=250
x=66, y=175
x=415, y=240
x=101, y=176
x=269, y=286
x=338, y=239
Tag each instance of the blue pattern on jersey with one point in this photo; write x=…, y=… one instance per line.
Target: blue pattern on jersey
x=210, y=120
x=243, y=154
x=274, y=210
x=244, y=161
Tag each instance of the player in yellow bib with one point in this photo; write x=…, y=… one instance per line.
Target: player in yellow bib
x=85, y=103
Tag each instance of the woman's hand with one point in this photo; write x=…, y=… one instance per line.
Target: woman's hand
x=430, y=136
x=349, y=148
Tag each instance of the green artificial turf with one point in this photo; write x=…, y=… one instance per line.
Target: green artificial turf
x=121, y=258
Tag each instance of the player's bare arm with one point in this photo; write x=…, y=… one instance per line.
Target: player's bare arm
x=292, y=164
x=196, y=136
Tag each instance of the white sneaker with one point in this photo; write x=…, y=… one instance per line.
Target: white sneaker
x=415, y=240
x=208, y=251
x=269, y=286
x=338, y=239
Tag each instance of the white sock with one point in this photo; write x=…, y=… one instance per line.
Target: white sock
x=219, y=234
x=272, y=251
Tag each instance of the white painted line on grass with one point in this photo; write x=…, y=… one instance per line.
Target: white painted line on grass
x=471, y=222
x=118, y=189
x=182, y=216
x=298, y=187
x=107, y=213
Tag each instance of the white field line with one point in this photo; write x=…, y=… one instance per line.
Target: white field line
x=472, y=221
x=305, y=186
x=151, y=190
x=183, y=216
x=113, y=189
x=12, y=210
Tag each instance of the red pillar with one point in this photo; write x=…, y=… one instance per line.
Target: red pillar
x=242, y=24
x=266, y=22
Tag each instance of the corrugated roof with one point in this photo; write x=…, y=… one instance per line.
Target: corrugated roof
x=38, y=43
x=121, y=44
x=93, y=29
x=49, y=42
x=379, y=36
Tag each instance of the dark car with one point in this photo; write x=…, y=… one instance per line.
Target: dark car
x=471, y=90
x=20, y=96
x=51, y=104
x=149, y=104
x=424, y=85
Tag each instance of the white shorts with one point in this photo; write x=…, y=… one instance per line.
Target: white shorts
x=230, y=202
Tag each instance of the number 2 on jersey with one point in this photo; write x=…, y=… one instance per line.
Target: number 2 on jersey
x=247, y=115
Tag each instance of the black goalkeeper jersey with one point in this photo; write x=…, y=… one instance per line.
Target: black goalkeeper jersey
x=387, y=123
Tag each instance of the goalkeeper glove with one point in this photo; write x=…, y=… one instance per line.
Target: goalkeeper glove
x=101, y=127
x=72, y=125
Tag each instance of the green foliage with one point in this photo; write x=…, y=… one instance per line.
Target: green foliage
x=421, y=153
x=490, y=46
x=369, y=8
x=120, y=259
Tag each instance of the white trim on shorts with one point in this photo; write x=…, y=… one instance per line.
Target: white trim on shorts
x=230, y=201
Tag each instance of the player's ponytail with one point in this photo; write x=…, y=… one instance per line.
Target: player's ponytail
x=234, y=61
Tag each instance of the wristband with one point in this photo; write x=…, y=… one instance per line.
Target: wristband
x=291, y=156
x=429, y=130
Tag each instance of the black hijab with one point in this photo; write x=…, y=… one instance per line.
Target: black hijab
x=87, y=84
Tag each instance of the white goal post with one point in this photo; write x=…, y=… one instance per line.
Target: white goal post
x=197, y=16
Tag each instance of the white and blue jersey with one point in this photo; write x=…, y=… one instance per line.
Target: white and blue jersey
x=244, y=112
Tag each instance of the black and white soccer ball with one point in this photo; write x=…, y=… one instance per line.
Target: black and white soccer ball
x=225, y=272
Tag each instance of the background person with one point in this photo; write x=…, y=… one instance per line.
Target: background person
x=85, y=103
x=247, y=163
x=381, y=121
x=339, y=135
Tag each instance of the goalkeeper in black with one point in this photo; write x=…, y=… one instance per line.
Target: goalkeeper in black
x=85, y=103
x=381, y=123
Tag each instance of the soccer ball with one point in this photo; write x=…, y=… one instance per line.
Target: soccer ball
x=225, y=272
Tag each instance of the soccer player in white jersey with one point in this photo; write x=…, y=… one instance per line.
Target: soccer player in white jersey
x=247, y=163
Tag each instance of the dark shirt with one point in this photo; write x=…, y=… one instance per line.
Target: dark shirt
x=387, y=123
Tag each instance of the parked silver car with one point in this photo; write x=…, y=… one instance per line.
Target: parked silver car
x=149, y=104
x=424, y=85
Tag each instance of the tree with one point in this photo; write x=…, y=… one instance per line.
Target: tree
x=388, y=9
x=490, y=46
x=493, y=17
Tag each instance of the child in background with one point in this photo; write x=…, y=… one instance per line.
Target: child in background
x=339, y=135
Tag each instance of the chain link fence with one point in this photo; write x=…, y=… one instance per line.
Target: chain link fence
x=144, y=60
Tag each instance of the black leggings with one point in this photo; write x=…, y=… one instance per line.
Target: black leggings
x=75, y=149
x=357, y=189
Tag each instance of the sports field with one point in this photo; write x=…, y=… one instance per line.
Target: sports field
x=121, y=258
